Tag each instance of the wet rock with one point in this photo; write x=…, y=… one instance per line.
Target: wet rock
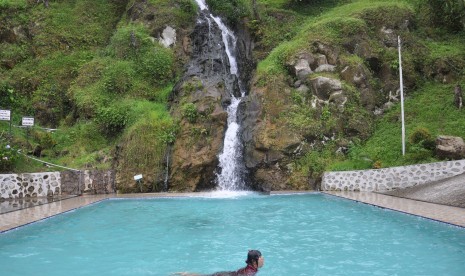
x=194, y=160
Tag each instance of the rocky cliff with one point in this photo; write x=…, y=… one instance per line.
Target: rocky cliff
x=199, y=101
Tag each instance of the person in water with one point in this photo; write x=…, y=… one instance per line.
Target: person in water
x=254, y=261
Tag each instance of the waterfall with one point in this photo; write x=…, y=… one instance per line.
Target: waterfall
x=230, y=160
x=167, y=169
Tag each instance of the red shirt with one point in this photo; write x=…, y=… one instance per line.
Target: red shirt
x=247, y=271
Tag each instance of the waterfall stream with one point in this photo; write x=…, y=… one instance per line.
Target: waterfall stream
x=230, y=160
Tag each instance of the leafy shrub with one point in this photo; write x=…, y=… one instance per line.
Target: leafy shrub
x=112, y=119
x=449, y=14
x=8, y=97
x=13, y=53
x=130, y=42
x=45, y=139
x=8, y=157
x=417, y=153
x=189, y=112
x=157, y=64
x=50, y=103
x=144, y=148
x=187, y=6
x=421, y=136
x=232, y=10
x=118, y=77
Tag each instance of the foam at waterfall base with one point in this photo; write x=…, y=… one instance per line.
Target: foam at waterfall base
x=230, y=194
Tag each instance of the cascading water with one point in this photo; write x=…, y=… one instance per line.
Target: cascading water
x=231, y=176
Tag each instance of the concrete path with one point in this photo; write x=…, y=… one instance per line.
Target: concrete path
x=450, y=192
x=447, y=214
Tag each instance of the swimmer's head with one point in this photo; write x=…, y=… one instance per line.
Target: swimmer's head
x=253, y=256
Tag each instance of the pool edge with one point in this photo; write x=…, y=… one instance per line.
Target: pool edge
x=39, y=213
x=432, y=211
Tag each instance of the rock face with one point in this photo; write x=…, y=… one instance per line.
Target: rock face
x=450, y=147
x=205, y=90
x=168, y=37
x=330, y=93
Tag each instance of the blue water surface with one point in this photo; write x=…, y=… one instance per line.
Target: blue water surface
x=310, y=234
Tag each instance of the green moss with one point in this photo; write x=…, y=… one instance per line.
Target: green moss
x=145, y=144
x=232, y=10
x=13, y=4
x=80, y=24
x=175, y=13
x=130, y=42
x=118, y=76
x=189, y=112
x=157, y=65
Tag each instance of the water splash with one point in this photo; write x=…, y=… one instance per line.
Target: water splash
x=202, y=4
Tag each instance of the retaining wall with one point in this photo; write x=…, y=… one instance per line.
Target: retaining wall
x=51, y=184
x=391, y=178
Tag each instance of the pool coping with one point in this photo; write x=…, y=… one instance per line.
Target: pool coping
x=442, y=213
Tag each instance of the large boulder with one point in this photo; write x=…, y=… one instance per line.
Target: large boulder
x=450, y=147
x=324, y=87
x=168, y=37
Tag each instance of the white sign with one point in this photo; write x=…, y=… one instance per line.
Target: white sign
x=5, y=115
x=28, y=121
x=138, y=177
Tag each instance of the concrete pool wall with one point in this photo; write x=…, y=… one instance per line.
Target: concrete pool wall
x=50, y=184
x=391, y=178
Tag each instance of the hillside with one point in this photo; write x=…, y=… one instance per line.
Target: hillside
x=322, y=81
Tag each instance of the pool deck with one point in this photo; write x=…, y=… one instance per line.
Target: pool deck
x=443, y=213
x=438, y=212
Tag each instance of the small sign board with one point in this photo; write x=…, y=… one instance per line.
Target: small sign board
x=5, y=115
x=28, y=121
x=138, y=177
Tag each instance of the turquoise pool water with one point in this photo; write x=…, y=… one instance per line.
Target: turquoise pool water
x=311, y=234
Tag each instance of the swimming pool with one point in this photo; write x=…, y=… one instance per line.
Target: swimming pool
x=309, y=234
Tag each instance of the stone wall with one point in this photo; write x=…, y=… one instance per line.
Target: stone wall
x=391, y=178
x=51, y=184
x=30, y=185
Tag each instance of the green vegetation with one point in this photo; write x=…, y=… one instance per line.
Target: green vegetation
x=425, y=119
x=189, y=111
x=93, y=69
x=232, y=10
x=429, y=107
x=90, y=73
